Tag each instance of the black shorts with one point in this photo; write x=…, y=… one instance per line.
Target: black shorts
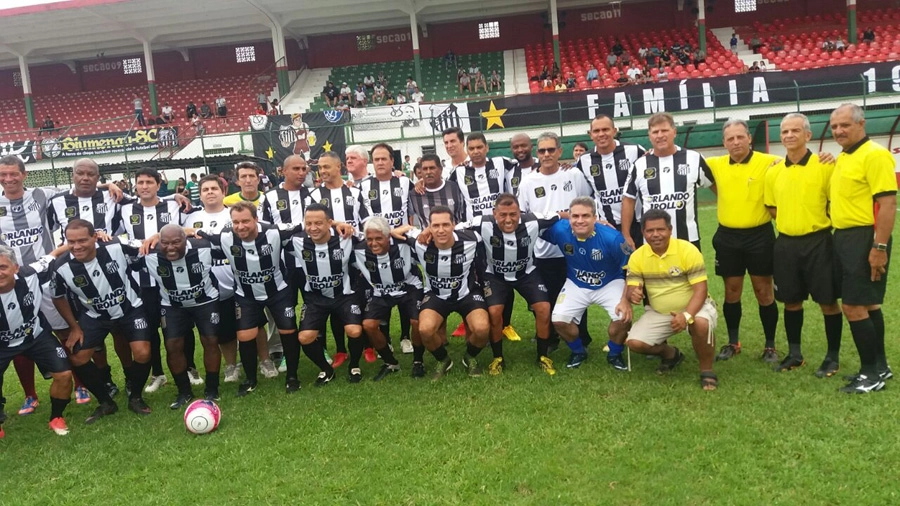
x=852, y=271
x=531, y=287
x=462, y=306
x=379, y=308
x=179, y=321
x=44, y=350
x=152, y=304
x=227, y=320
x=744, y=250
x=133, y=326
x=805, y=267
x=251, y=313
x=316, y=310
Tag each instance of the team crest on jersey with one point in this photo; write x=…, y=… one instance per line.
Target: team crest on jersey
x=540, y=192
x=682, y=169
x=372, y=194
x=265, y=249
x=542, y=287
x=488, y=291
x=596, y=255
x=28, y=300
x=337, y=254
x=197, y=268
x=495, y=241
x=307, y=255
x=140, y=324
x=399, y=263
x=567, y=187
x=112, y=267
x=398, y=192
x=429, y=258
x=675, y=271
x=214, y=318
x=526, y=242
x=650, y=173
x=325, y=202
x=237, y=251
x=289, y=312
x=100, y=208
x=80, y=281
x=624, y=165
x=494, y=174
x=595, y=170
x=515, y=182
x=370, y=266
x=197, y=224
x=281, y=205
x=468, y=180
x=354, y=309
x=136, y=219
x=568, y=249
x=2, y=211
x=163, y=271
x=459, y=259
x=477, y=298
x=71, y=212
x=165, y=217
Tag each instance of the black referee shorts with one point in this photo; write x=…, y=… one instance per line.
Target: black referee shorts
x=379, y=308
x=805, y=267
x=251, y=313
x=133, y=326
x=316, y=309
x=530, y=286
x=853, y=272
x=44, y=350
x=744, y=250
x=179, y=321
x=463, y=306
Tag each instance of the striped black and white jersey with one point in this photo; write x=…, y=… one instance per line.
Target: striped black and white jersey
x=670, y=183
x=445, y=195
x=20, y=317
x=517, y=172
x=102, y=286
x=284, y=206
x=388, y=274
x=141, y=222
x=100, y=209
x=548, y=194
x=608, y=175
x=23, y=224
x=388, y=199
x=346, y=203
x=213, y=223
x=184, y=282
x=510, y=255
x=480, y=186
x=257, y=266
x=326, y=265
x=448, y=272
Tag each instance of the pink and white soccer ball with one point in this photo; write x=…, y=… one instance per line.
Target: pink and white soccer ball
x=202, y=417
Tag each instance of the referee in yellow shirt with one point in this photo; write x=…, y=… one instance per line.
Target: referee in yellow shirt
x=744, y=239
x=797, y=191
x=863, y=176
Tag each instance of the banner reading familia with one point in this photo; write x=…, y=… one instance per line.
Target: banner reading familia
x=309, y=134
x=112, y=142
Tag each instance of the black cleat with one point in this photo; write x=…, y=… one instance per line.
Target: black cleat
x=387, y=369
x=769, y=356
x=617, y=362
x=245, y=388
x=101, y=411
x=863, y=385
x=324, y=378
x=212, y=396
x=291, y=385
x=418, y=370
x=180, y=401
x=828, y=368
x=138, y=406
x=355, y=375
x=728, y=351
x=790, y=363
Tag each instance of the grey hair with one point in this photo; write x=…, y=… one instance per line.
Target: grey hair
x=586, y=202
x=856, y=112
x=379, y=224
x=736, y=121
x=548, y=136
x=8, y=253
x=173, y=228
x=86, y=161
x=797, y=115
x=359, y=150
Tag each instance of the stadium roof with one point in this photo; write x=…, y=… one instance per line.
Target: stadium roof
x=63, y=32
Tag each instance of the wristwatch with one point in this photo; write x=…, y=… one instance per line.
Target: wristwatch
x=689, y=318
x=880, y=246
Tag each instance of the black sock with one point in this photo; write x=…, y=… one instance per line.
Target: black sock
x=768, y=315
x=418, y=353
x=543, y=347
x=387, y=355
x=356, y=350
x=793, y=327
x=833, y=329
x=155, y=354
x=732, y=313
x=90, y=377
x=323, y=341
x=863, y=332
x=404, y=328
x=106, y=374
x=337, y=330
x=508, y=310
x=183, y=383
x=440, y=354
x=497, y=348
x=190, y=345
x=472, y=350
x=139, y=374
x=877, y=318
x=57, y=406
x=315, y=353
x=212, y=382
x=385, y=328
x=249, y=359
x=291, y=347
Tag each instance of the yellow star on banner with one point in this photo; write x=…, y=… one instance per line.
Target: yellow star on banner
x=270, y=153
x=327, y=146
x=494, y=116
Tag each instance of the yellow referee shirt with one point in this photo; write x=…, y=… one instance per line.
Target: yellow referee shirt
x=863, y=173
x=667, y=279
x=800, y=193
x=740, y=188
x=236, y=197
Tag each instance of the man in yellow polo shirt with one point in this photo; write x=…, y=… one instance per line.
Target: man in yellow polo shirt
x=864, y=175
x=797, y=191
x=744, y=239
x=248, y=180
x=674, y=277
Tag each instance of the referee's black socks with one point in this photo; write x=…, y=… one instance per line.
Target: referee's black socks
x=793, y=327
x=732, y=313
x=877, y=318
x=768, y=316
x=833, y=329
x=249, y=359
x=90, y=377
x=864, y=337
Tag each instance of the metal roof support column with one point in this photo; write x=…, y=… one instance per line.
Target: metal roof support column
x=151, y=77
x=26, y=90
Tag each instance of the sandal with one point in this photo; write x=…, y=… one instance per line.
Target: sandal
x=709, y=381
x=668, y=365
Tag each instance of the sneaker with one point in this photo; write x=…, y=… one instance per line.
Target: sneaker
x=139, y=407
x=387, y=369
x=282, y=365
x=101, y=411
x=546, y=365
x=180, y=401
x=245, y=388
x=369, y=355
x=769, y=356
x=339, y=358
x=232, y=373
x=268, y=369
x=31, y=403
x=460, y=330
x=511, y=333
x=728, y=351
x=194, y=376
x=828, y=368
x=324, y=378
x=495, y=368
x=276, y=356
x=82, y=396
x=576, y=359
x=441, y=369
x=617, y=362
x=472, y=368
x=418, y=370
x=863, y=385
x=58, y=425
x=112, y=388
x=790, y=363
x=406, y=346
x=211, y=396
x=156, y=382
x=291, y=385
x=355, y=375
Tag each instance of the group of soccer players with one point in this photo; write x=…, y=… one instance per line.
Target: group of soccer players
x=617, y=228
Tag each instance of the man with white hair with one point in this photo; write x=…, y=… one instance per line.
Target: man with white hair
x=357, y=160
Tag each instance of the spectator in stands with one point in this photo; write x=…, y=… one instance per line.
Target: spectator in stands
x=560, y=86
x=676, y=47
x=449, y=59
x=139, y=111
x=259, y=110
x=167, y=113
x=683, y=57
x=839, y=45
x=330, y=94
x=221, y=108
x=495, y=80
x=665, y=58
x=651, y=58
x=545, y=73
x=654, y=50
x=197, y=123
x=345, y=91
x=263, y=101
x=465, y=82
x=734, y=43
x=642, y=52
x=401, y=97
x=827, y=45
x=274, y=108
x=193, y=189
x=369, y=81
x=762, y=66
x=612, y=60
x=617, y=48
x=480, y=81
x=410, y=86
x=360, y=95
x=191, y=110
x=755, y=43
x=48, y=126
x=662, y=76
x=180, y=188
x=777, y=44
x=625, y=58
x=473, y=69
x=579, y=149
x=754, y=67
x=570, y=82
x=646, y=76
x=164, y=190
x=378, y=93
x=548, y=85
x=406, y=165
x=205, y=110
x=868, y=36
x=622, y=79
x=417, y=96
x=390, y=99
x=634, y=75
x=699, y=56
x=382, y=79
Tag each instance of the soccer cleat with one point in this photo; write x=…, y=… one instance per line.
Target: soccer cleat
x=268, y=369
x=460, y=330
x=194, y=376
x=246, y=387
x=179, y=401
x=58, y=425
x=495, y=368
x=28, y=407
x=546, y=365
x=82, y=396
x=576, y=359
x=441, y=369
x=406, y=346
x=769, y=356
x=112, y=388
x=324, y=378
x=863, y=385
x=828, y=368
x=511, y=333
x=232, y=373
x=101, y=411
x=369, y=355
x=355, y=375
x=339, y=358
x=156, y=382
x=282, y=365
x=790, y=363
x=138, y=406
x=473, y=369
x=418, y=370
x=276, y=356
x=728, y=351
x=617, y=362
x=211, y=396
x=387, y=369
x=291, y=385
x=886, y=374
